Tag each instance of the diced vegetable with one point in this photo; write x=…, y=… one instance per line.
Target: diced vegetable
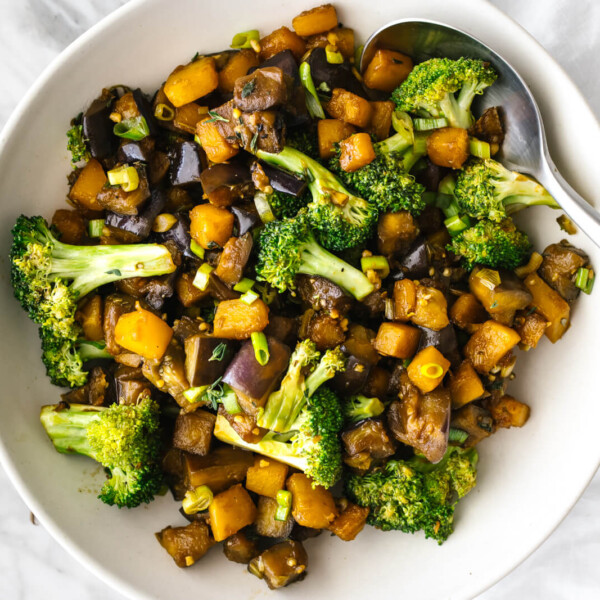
x=467, y=312
x=475, y=420
x=90, y=315
x=341, y=37
x=349, y=108
x=238, y=65
x=267, y=523
x=87, y=186
x=395, y=233
x=531, y=326
x=313, y=505
x=238, y=548
x=197, y=500
x=397, y=340
x=236, y=320
x=356, y=152
x=465, y=385
x=194, y=431
x=405, y=300
x=381, y=121
x=448, y=147
x=281, y=564
x=192, y=81
x=234, y=257
x=508, y=412
x=431, y=308
x=211, y=226
x=369, y=436
x=316, y=20
x=489, y=344
x=231, y=511
x=387, y=70
x=218, y=470
x=186, y=544
x=550, y=305
x=350, y=522
x=266, y=477
x=428, y=368
x=330, y=132
x=279, y=40
x=218, y=149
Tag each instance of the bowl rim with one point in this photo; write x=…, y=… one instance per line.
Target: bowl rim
x=74, y=549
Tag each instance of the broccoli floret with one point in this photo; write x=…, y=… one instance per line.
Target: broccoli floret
x=430, y=89
x=288, y=247
x=125, y=439
x=286, y=206
x=49, y=278
x=487, y=190
x=416, y=495
x=340, y=219
x=305, y=140
x=360, y=407
x=496, y=245
x=313, y=448
x=76, y=143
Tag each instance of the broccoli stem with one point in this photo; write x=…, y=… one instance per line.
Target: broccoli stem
x=524, y=192
x=89, y=350
x=396, y=143
x=67, y=428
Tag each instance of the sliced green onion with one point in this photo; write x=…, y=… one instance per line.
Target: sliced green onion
x=490, y=278
x=420, y=143
x=135, y=128
x=202, y=277
x=263, y=207
x=125, y=176
x=333, y=55
x=584, y=280
x=451, y=210
x=261, y=348
x=456, y=224
x=229, y=401
x=95, y=228
x=402, y=123
x=479, y=148
x=197, y=500
x=197, y=140
x=244, y=39
x=195, y=394
x=197, y=249
x=249, y=297
x=378, y=264
x=432, y=370
x=457, y=436
x=163, y=112
x=284, y=505
x=447, y=185
x=244, y=285
x=313, y=104
x=429, y=124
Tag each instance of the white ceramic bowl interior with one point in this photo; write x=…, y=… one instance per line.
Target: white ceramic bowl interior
x=528, y=478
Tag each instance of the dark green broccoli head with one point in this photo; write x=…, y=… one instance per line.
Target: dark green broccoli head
x=496, y=245
x=305, y=140
x=76, y=144
x=360, y=407
x=286, y=206
x=64, y=365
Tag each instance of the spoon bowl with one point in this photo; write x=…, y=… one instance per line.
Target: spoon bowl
x=524, y=148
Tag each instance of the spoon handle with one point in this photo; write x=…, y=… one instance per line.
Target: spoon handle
x=580, y=212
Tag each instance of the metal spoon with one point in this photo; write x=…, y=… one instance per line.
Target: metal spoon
x=524, y=148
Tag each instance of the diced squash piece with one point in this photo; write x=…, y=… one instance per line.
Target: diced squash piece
x=431, y=308
x=211, y=225
x=126, y=106
x=70, y=224
x=217, y=148
x=448, y=147
x=144, y=333
x=237, y=66
x=231, y=511
x=396, y=232
x=350, y=522
x=509, y=412
x=356, y=152
x=311, y=506
x=377, y=384
x=387, y=70
x=531, y=328
x=194, y=431
x=187, y=293
x=428, y=368
x=266, y=477
x=218, y=470
x=405, y=299
x=316, y=20
x=381, y=121
x=188, y=544
x=90, y=315
x=467, y=312
x=192, y=81
x=475, y=420
x=550, y=305
x=330, y=132
x=397, y=340
x=236, y=320
x=89, y=183
x=489, y=344
x=279, y=40
x=187, y=117
x=465, y=385
x=341, y=38
x=350, y=108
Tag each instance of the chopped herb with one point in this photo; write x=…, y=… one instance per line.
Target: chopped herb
x=215, y=117
x=195, y=57
x=76, y=143
x=218, y=353
x=214, y=393
x=116, y=272
x=254, y=142
x=323, y=87
x=248, y=88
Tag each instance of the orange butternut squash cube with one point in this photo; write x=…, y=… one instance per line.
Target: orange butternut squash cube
x=143, y=332
x=87, y=186
x=465, y=385
x=312, y=505
x=397, y=340
x=210, y=225
x=350, y=108
x=431, y=308
x=448, y=147
x=187, y=117
x=387, y=70
x=330, y=132
x=231, y=511
x=356, y=152
x=237, y=66
x=90, y=315
x=192, y=81
x=428, y=368
x=266, y=477
x=405, y=299
x=467, y=312
x=316, y=20
x=236, y=320
x=551, y=305
x=218, y=149
x=279, y=40
x=381, y=121
x=350, y=523
x=509, y=412
x=489, y=344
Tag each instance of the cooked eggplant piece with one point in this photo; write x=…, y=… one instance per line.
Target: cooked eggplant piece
x=430, y=176
x=115, y=305
x=474, y=420
x=194, y=431
x=264, y=89
x=369, y=436
x=145, y=110
x=281, y=564
x=325, y=331
x=132, y=152
x=202, y=364
x=327, y=76
x=239, y=548
x=94, y=392
x=415, y=263
x=265, y=522
x=444, y=340
x=139, y=224
x=187, y=164
x=359, y=343
x=247, y=218
x=225, y=183
x=353, y=379
x=282, y=181
x=130, y=384
x=233, y=259
x=284, y=329
x=186, y=544
x=179, y=234
x=244, y=425
x=114, y=198
x=321, y=294
x=98, y=128
x=558, y=269
x=282, y=60
x=489, y=127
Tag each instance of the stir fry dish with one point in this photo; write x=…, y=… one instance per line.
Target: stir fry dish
x=292, y=292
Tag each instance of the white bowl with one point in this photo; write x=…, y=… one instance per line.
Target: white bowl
x=529, y=478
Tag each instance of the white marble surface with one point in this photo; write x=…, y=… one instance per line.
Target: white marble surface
x=33, y=565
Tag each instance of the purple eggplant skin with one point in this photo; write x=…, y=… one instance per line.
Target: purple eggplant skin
x=444, y=340
x=130, y=152
x=186, y=165
x=247, y=220
x=353, y=379
x=179, y=234
x=146, y=111
x=282, y=181
x=415, y=263
x=199, y=368
x=333, y=76
x=283, y=60
x=98, y=128
x=140, y=224
x=224, y=174
x=159, y=289
x=253, y=382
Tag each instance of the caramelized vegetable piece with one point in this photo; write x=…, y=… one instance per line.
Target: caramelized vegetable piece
x=405, y=300
x=508, y=412
x=281, y=564
x=116, y=199
x=193, y=432
x=264, y=89
x=356, y=152
x=396, y=232
x=369, y=436
x=465, y=385
x=558, y=269
x=206, y=358
x=115, y=305
x=330, y=132
x=88, y=185
x=130, y=384
x=144, y=333
x=474, y=420
x=266, y=524
x=431, y=308
x=90, y=315
x=340, y=37
x=211, y=225
x=238, y=65
x=531, y=328
x=381, y=121
x=311, y=506
x=192, y=81
x=350, y=522
x=186, y=544
x=266, y=476
x=378, y=383
x=187, y=293
x=70, y=225
x=236, y=320
x=397, y=340
x=387, y=70
x=467, y=312
x=489, y=128
x=428, y=368
x=234, y=257
x=322, y=294
x=279, y=40
x=218, y=149
x=448, y=147
x=550, y=305
x=489, y=344
x=218, y=470
x=325, y=331
x=231, y=511
x=187, y=117
x=238, y=548
x=350, y=108
x=316, y=20
x=359, y=343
